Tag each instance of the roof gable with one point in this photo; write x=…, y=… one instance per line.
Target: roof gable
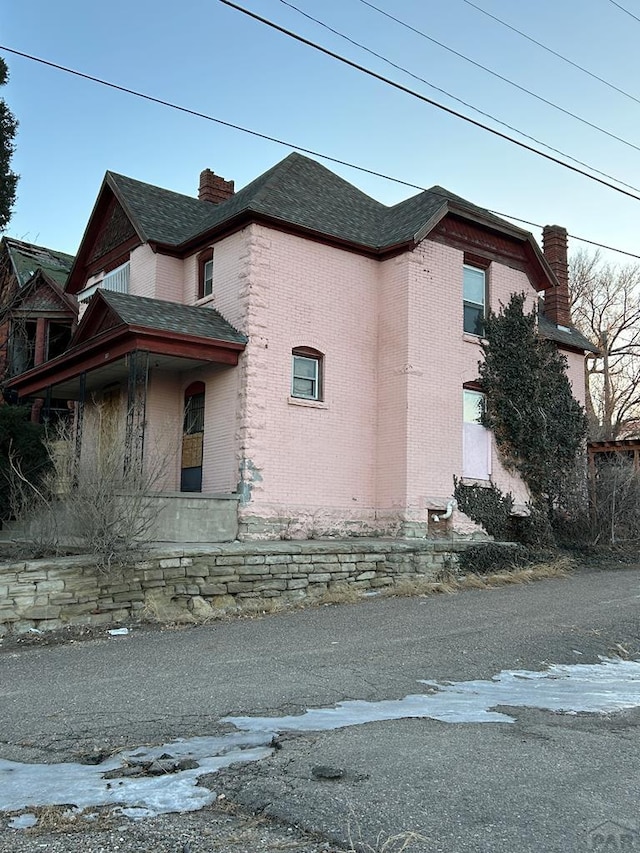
x=42, y=294
x=158, y=215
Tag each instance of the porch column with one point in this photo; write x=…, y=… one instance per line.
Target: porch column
x=40, y=351
x=79, y=419
x=136, y=409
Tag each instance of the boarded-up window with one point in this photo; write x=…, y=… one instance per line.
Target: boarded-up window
x=476, y=439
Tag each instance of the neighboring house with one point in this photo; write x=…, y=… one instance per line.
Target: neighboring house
x=36, y=315
x=299, y=345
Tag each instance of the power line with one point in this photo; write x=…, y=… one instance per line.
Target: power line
x=421, y=97
x=625, y=10
x=552, y=51
x=467, y=104
x=488, y=71
x=283, y=142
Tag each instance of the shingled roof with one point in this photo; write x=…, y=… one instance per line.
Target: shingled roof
x=27, y=258
x=563, y=335
x=146, y=313
x=297, y=191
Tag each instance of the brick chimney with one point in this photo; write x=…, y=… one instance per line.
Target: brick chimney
x=556, y=299
x=213, y=188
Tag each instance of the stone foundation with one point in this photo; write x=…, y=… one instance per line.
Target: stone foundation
x=202, y=581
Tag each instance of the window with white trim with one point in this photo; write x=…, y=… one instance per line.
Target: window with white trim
x=306, y=373
x=476, y=439
x=474, y=295
x=205, y=273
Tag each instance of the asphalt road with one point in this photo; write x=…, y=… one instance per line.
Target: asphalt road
x=540, y=784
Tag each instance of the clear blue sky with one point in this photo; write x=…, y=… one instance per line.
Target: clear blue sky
x=205, y=56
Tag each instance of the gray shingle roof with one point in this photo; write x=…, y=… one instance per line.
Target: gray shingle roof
x=28, y=258
x=160, y=215
x=569, y=337
x=297, y=191
x=200, y=321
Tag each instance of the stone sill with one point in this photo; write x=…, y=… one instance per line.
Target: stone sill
x=309, y=404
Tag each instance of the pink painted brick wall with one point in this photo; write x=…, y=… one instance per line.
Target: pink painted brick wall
x=163, y=434
x=302, y=293
x=387, y=438
x=142, y=272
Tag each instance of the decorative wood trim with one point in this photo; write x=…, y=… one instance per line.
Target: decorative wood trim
x=478, y=261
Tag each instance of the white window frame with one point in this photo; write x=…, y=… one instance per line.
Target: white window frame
x=471, y=302
x=315, y=379
x=207, y=278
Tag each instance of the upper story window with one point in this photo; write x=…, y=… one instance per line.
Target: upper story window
x=205, y=274
x=306, y=373
x=475, y=297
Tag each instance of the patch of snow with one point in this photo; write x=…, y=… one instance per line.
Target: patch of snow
x=603, y=688
x=23, y=821
x=25, y=785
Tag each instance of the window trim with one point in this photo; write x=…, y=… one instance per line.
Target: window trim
x=476, y=267
x=316, y=356
x=204, y=258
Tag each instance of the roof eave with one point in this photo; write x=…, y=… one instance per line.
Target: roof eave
x=248, y=217
x=90, y=354
x=504, y=227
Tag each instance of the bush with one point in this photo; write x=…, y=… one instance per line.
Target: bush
x=493, y=557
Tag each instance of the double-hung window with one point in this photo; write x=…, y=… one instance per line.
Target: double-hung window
x=205, y=274
x=306, y=373
x=475, y=290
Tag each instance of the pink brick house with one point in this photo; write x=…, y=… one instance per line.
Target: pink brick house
x=297, y=348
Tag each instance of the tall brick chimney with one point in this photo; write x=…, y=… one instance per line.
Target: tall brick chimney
x=556, y=299
x=213, y=188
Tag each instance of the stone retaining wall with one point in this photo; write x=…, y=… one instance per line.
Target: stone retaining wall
x=203, y=581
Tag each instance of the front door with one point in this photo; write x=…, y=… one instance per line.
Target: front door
x=192, y=438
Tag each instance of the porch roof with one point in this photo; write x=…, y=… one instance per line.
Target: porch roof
x=115, y=325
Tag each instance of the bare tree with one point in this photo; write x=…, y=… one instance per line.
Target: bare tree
x=93, y=502
x=605, y=306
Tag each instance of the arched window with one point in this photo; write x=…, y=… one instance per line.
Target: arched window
x=306, y=373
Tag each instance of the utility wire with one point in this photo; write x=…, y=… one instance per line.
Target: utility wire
x=421, y=97
x=467, y=104
x=488, y=71
x=625, y=10
x=552, y=51
x=283, y=142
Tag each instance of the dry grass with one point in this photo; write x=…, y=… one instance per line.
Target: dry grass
x=407, y=586
x=67, y=818
x=339, y=593
x=397, y=843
